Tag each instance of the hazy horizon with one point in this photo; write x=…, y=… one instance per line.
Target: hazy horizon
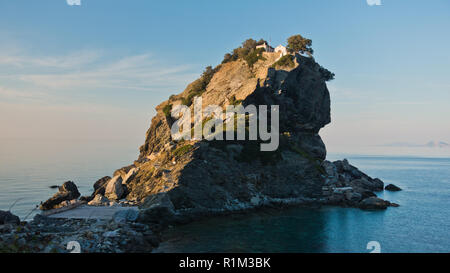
x=97, y=71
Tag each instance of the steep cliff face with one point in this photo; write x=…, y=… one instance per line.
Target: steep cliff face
x=232, y=80
x=300, y=91
x=229, y=175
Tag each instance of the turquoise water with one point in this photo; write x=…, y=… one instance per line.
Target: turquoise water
x=29, y=167
x=420, y=224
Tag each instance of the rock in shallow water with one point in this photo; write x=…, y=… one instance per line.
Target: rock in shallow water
x=67, y=192
x=371, y=185
x=374, y=203
x=392, y=187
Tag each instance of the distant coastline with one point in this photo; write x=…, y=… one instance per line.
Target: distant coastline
x=431, y=144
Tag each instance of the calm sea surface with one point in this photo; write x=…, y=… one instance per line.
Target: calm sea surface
x=420, y=224
x=29, y=167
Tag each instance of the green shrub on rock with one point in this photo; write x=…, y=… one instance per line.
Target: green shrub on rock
x=326, y=74
x=182, y=150
x=167, y=109
x=285, y=61
x=247, y=52
x=199, y=86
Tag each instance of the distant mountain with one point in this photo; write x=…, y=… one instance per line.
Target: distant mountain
x=431, y=144
x=443, y=144
x=440, y=144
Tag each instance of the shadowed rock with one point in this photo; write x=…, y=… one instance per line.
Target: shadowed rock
x=100, y=185
x=6, y=217
x=68, y=191
x=99, y=200
x=374, y=203
x=392, y=187
x=345, y=185
x=157, y=209
x=114, y=189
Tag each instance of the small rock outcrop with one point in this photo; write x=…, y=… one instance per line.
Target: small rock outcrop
x=114, y=189
x=99, y=191
x=345, y=185
x=100, y=185
x=341, y=174
x=374, y=203
x=99, y=200
x=6, y=217
x=68, y=191
x=392, y=187
x=156, y=209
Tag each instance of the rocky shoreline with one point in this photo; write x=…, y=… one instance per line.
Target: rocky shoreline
x=45, y=234
x=141, y=231
x=347, y=186
x=48, y=235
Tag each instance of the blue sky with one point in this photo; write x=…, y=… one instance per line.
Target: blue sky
x=98, y=70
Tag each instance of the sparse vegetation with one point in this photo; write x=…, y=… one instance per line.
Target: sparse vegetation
x=247, y=52
x=253, y=56
x=326, y=74
x=146, y=171
x=167, y=109
x=203, y=126
x=285, y=61
x=182, y=150
x=227, y=58
x=199, y=86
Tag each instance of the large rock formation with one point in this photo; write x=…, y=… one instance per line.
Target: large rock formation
x=218, y=176
x=228, y=175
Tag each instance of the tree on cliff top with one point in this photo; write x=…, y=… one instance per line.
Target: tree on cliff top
x=297, y=43
x=249, y=44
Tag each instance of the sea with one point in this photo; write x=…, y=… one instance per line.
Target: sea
x=28, y=167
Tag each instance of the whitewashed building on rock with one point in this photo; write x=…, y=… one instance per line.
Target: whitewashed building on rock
x=266, y=47
x=281, y=49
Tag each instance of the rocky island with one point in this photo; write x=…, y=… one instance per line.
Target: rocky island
x=177, y=181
